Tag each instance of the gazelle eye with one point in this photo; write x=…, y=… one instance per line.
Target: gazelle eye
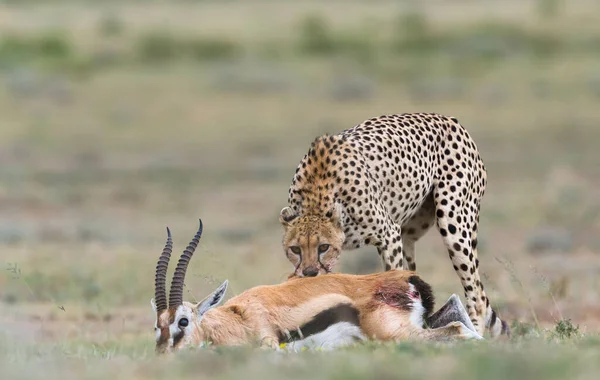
x=323, y=248
x=183, y=322
x=296, y=250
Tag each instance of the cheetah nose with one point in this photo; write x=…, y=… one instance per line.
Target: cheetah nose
x=310, y=271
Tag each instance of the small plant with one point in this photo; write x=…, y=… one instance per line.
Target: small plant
x=564, y=329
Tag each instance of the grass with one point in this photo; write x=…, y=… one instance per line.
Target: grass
x=118, y=121
x=566, y=357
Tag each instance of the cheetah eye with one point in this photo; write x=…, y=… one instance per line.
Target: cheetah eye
x=183, y=322
x=296, y=250
x=323, y=248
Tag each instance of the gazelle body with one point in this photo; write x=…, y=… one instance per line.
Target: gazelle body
x=393, y=305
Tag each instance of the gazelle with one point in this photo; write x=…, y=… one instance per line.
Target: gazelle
x=393, y=305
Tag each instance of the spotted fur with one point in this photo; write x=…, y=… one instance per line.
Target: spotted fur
x=386, y=182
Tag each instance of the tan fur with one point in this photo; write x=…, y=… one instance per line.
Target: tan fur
x=258, y=315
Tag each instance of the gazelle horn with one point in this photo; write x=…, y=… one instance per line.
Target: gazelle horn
x=160, y=291
x=176, y=292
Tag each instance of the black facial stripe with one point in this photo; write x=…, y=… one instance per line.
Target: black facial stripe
x=343, y=312
x=177, y=338
x=299, y=261
x=320, y=263
x=319, y=260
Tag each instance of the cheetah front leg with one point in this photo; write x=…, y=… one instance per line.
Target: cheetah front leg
x=390, y=246
x=415, y=228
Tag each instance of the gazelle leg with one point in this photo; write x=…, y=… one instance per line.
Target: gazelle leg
x=450, y=322
x=269, y=341
x=452, y=311
x=452, y=331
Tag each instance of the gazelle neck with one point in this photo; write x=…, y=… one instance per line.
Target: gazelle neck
x=223, y=326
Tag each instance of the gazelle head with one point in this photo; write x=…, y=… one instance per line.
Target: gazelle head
x=178, y=324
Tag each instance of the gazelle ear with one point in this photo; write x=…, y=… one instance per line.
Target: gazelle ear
x=212, y=300
x=153, y=304
x=286, y=215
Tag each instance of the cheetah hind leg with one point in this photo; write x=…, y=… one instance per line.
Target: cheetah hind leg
x=456, y=227
x=459, y=233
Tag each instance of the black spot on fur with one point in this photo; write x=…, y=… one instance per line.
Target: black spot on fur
x=452, y=229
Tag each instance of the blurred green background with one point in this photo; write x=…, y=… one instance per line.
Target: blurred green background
x=119, y=118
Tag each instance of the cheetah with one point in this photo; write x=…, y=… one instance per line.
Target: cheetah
x=385, y=182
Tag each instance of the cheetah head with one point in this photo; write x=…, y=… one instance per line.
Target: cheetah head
x=312, y=242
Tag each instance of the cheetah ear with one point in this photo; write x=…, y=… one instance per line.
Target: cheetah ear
x=337, y=215
x=286, y=215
